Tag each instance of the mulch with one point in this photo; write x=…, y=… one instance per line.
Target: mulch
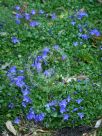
x=76, y=131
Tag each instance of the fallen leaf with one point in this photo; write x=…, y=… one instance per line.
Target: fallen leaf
x=98, y=123
x=11, y=128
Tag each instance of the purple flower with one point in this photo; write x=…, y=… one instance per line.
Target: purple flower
x=18, y=16
x=56, y=47
x=79, y=101
x=73, y=23
x=100, y=47
x=95, y=32
x=80, y=28
x=11, y=105
x=33, y=12
x=62, y=110
x=53, y=103
x=81, y=43
x=24, y=104
x=41, y=11
x=27, y=16
x=13, y=69
x=75, y=109
x=69, y=98
x=34, y=23
x=40, y=117
x=78, y=80
x=64, y=57
x=39, y=59
x=19, y=81
x=84, y=36
x=53, y=16
x=31, y=115
x=45, y=51
x=81, y=14
x=17, y=120
x=25, y=91
x=17, y=7
x=21, y=71
x=15, y=40
x=66, y=117
x=26, y=99
x=75, y=43
x=49, y=72
x=17, y=21
x=81, y=115
x=37, y=64
x=39, y=67
x=63, y=103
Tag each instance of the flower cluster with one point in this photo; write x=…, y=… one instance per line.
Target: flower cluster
x=48, y=97
x=41, y=62
x=84, y=32
x=63, y=107
x=19, y=81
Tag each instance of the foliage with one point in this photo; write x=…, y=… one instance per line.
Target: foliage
x=41, y=45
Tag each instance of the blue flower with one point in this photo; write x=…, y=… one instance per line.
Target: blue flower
x=19, y=81
x=81, y=115
x=66, y=117
x=39, y=67
x=21, y=71
x=13, y=69
x=37, y=64
x=75, y=109
x=27, y=16
x=68, y=98
x=17, y=7
x=39, y=59
x=49, y=72
x=63, y=103
x=25, y=91
x=73, y=23
x=53, y=103
x=56, y=47
x=95, y=32
x=40, y=117
x=31, y=115
x=64, y=57
x=100, y=47
x=62, y=109
x=11, y=105
x=41, y=11
x=34, y=23
x=17, y=21
x=18, y=16
x=84, y=36
x=17, y=120
x=24, y=104
x=53, y=16
x=15, y=40
x=79, y=101
x=45, y=51
x=75, y=43
x=81, y=14
x=26, y=99
x=33, y=12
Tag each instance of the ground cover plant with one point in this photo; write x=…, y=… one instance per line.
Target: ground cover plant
x=51, y=63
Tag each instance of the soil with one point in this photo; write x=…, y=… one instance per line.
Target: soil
x=77, y=131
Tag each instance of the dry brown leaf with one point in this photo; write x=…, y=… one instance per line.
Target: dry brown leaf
x=98, y=123
x=11, y=128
